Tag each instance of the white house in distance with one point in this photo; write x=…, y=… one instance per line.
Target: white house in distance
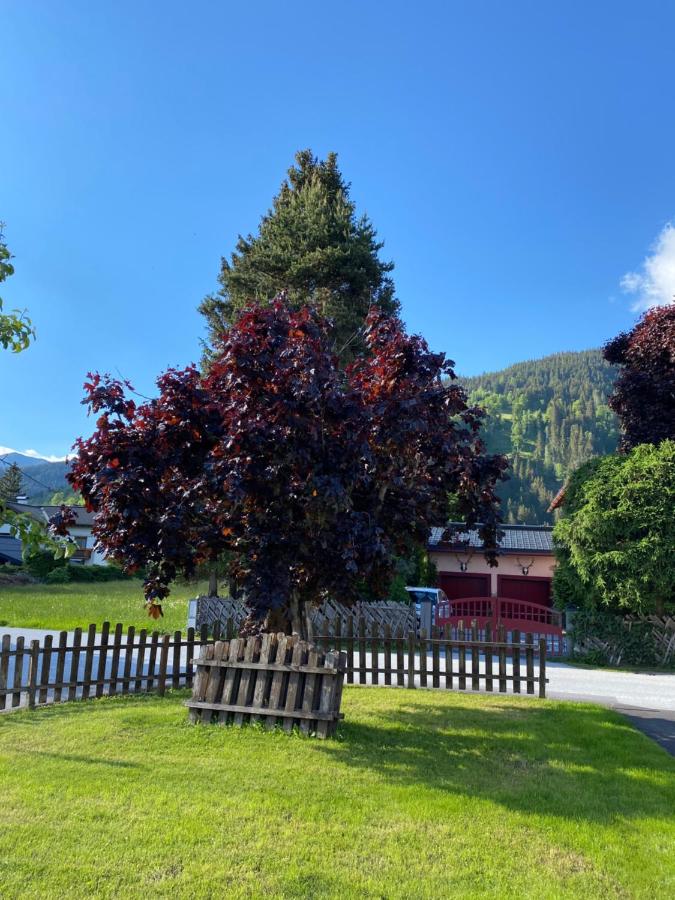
x=81, y=532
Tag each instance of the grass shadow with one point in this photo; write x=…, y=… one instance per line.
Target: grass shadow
x=570, y=760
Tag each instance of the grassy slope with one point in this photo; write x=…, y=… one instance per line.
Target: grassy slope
x=68, y=606
x=425, y=794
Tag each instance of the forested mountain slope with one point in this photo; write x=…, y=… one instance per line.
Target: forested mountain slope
x=548, y=415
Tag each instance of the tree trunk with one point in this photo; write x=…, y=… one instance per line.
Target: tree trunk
x=213, y=583
x=660, y=606
x=299, y=616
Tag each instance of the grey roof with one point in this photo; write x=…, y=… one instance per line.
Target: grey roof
x=44, y=513
x=516, y=538
x=10, y=549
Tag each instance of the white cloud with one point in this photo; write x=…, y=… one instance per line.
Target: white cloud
x=33, y=454
x=654, y=283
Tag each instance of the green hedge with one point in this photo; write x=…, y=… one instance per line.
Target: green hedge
x=69, y=573
x=600, y=638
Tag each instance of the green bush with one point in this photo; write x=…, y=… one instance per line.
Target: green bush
x=600, y=638
x=42, y=563
x=84, y=574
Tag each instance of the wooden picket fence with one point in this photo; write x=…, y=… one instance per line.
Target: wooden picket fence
x=91, y=664
x=86, y=664
x=270, y=679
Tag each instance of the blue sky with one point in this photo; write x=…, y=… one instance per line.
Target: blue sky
x=516, y=158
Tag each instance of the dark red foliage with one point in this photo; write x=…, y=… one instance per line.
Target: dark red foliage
x=60, y=522
x=314, y=479
x=644, y=393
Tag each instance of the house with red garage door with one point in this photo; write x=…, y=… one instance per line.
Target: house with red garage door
x=516, y=593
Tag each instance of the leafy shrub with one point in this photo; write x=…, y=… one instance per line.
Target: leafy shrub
x=40, y=564
x=600, y=638
x=84, y=574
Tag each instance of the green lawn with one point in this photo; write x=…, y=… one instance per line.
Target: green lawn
x=68, y=606
x=424, y=794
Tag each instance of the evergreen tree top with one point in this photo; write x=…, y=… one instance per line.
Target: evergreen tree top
x=312, y=245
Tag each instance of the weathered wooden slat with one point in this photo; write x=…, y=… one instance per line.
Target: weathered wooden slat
x=294, y=692
x=424, y=649
x=350, y=650
x=400, y=657
x=362, y=650
x=475, y=658
x=4, y=668
x=502, y=660
x=435, y=658
x=312, y=690
x=529, y=663
x=163, y=664
x=18, y=671
x=201, y=681
x=263, y=684
x=216, y=676
x=33, y=663
x=140, y=661
x=515, y=661
x=274, y=667
x=448, y=649
x=327, y=701
x=152, y=661
x=488, y=658
x=102, y=658
x=175, y=659
x=375, y=652
x=115, y=663
x=261, y=710
x=542, y=667
x=45, y=668
x=386, y=647
x=461, y=635
x=60, y=666
x=74, y=663
x=248, y=676
x=411, y=659
x=190, y=650
x=128, y=659
x=277, y=690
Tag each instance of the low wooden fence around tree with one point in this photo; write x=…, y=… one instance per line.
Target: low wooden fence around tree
x=82, y=665
x=271, y=679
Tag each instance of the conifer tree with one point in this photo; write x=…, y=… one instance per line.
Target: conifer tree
x=10, y=483
x=313, y=246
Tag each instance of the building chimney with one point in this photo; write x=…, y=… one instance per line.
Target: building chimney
x=22, y=499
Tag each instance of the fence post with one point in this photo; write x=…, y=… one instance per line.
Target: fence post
x=542, y=667
x=529, y=662
x=4, y=669
x=102, y=659
x=163, y=663
x=515, y=660
x=411, y=659
x=46, y=666
x=34, y=660
x=60, y=666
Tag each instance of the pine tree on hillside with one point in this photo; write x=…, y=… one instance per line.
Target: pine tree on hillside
x=549, y=415
x=312, y=245
x=10, y=483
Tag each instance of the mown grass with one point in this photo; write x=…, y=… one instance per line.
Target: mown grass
x=424, y=794
x=68, y=606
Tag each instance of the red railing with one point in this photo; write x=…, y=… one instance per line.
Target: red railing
x=512, y=614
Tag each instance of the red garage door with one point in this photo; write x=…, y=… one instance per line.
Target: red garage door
x=462, y=584
x=525, y=587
